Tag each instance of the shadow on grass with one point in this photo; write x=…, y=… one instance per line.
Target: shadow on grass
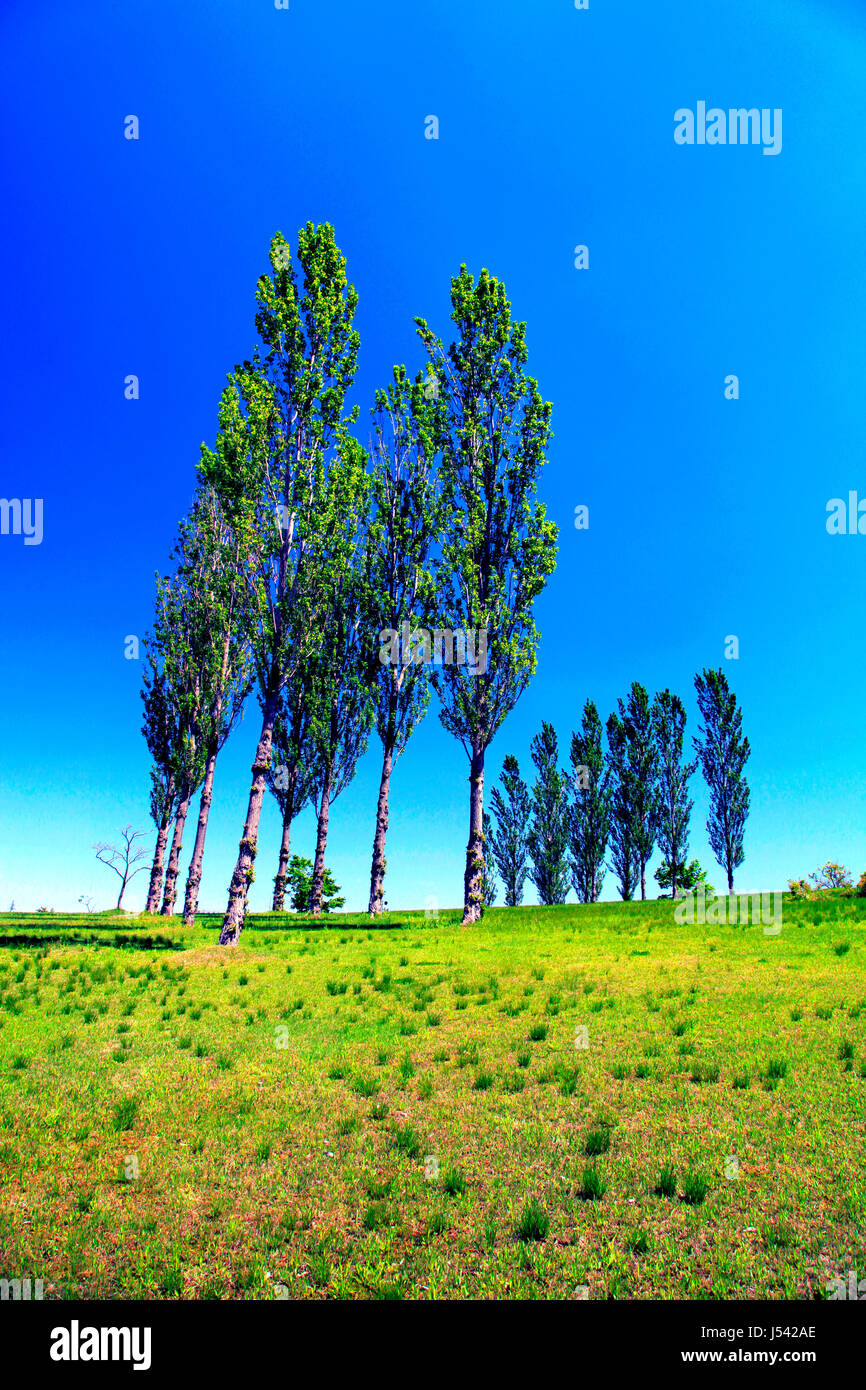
x=75, y=938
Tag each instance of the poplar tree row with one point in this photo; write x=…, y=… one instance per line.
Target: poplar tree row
x=303, y=545
x=623, y=800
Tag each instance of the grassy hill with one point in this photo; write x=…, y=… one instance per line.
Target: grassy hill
x=565, y=1102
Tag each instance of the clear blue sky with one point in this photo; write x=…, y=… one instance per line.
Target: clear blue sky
x=707, y=516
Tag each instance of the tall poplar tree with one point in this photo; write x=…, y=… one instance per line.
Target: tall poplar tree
x=170, y=696
x=498, y=547
x=675, y=804
x=160, y=729
x=548, y=829
x=211, y=650
x=723, y=751
x=589, y=818
x=403, y=525
x=508, y=833
x=341, y=676
x=623, y=813
x=643, y=760
x=284, y=467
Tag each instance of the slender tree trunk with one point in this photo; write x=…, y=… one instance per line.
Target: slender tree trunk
x=120, y=895
x=377, y=871
x=472, y=904
x=643, y=883
x=316, y=888
x=236, y=911
x=279, y=903
x=171, y=872
x=193, y=878
x=156, y=871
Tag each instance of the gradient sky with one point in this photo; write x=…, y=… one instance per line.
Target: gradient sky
x=707, y=516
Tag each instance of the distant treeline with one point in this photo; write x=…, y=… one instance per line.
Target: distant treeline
x=623, y=799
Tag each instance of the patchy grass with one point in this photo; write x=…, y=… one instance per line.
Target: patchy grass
x=179, y=1121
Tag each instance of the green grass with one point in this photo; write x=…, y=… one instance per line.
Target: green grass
x=178, y=1121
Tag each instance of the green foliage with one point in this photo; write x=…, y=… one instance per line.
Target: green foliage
x=498, y=547
x=488, y=876
x=403, y=525
x=548, y=834
x=508, y=838
x=634, y=795
x=623, y=808
x=300, y=881
x=589, y=818
x=688, y=877
x=674, y=803
x=723, y=753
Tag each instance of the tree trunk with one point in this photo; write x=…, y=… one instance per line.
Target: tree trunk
x=377, y=872
x=472, y=904
x=279, y=903
x=316, y=888
x=193, y=878
x=171, y=872
x=643, y=883
x=155, y=888
x=236, y=911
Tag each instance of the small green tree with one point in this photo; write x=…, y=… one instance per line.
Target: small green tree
x=508, y=834
x=682, y=877
x=498, y=548
x=548, y=833
x=299, y=879
x=723, y=753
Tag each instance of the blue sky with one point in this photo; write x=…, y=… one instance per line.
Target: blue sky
x=707, y=516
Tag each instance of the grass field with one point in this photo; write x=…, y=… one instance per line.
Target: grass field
x=412, y=1113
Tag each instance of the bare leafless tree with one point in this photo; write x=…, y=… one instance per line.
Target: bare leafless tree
x=122, y=860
